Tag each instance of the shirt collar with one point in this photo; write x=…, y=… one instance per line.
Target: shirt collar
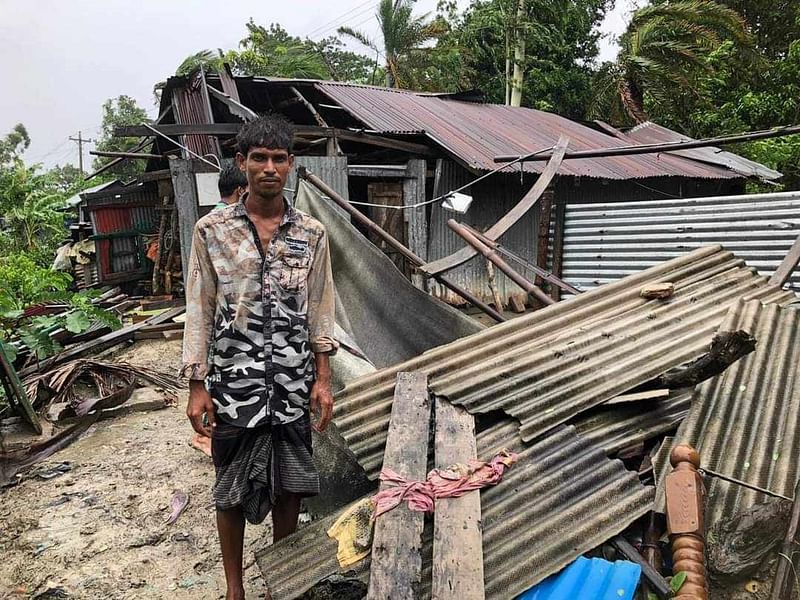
x=289, y=212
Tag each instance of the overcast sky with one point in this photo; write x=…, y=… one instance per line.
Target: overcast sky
x=62, y=60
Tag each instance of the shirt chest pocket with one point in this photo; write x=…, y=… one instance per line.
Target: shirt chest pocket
x=293, y=274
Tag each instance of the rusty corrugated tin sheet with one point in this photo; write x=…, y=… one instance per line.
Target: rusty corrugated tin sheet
x=549, y=366
x=190, y=106
x=476, y=133
x=652, y=133
x=564, y=494
x=619, y=426
x=746, y=422
x=604, y=241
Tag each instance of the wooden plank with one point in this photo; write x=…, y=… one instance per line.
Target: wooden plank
x=186, y=204
x=457, y=540
x=396, y=558
x=14, y=389
x=787, y=266
x=510, y=218
x=558, y=245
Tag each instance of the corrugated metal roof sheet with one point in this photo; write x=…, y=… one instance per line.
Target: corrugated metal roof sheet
x=746, y=422
x=551, y=365
x=476, y=133
x=589, y=579
x=564, y=494
x=652, y=133
x=622, y=425
x=606, y=241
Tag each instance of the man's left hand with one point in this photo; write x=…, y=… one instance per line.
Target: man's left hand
x=321, y=405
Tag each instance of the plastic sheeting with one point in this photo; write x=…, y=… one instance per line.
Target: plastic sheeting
x=388, y=318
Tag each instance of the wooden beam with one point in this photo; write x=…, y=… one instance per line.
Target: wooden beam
x=187, y=206
x=317, y=117
x=784, y=271
x=124, y=154
x=510, y=218
x=457, y=541
x=397, y=543
x=231, y=129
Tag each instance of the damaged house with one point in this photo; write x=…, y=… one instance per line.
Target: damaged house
x=380, y=147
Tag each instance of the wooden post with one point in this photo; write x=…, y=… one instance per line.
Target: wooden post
x=416, y=220
x=543, y=239
x=187, y=205
x=498, y=302
x=685, y=503
x=558, y=245
x=457, y=541
x=396, y=571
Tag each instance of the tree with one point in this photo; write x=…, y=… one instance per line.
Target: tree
x=560, y=39
x=404, y=36
x=117, y=112
x=344, y=65
x=664, y=53
x=14, y=144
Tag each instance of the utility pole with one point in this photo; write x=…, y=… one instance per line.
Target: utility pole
x=81, y=142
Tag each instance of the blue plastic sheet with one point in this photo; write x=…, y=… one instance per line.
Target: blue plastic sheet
x=589, y=579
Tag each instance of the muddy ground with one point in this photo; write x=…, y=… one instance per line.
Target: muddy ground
x=98, y=530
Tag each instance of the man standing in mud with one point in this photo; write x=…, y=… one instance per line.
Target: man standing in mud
x=259, y=332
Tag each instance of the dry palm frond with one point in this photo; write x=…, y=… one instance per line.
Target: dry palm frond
x=109, y=379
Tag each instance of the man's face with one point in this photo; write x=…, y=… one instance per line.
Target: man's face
x=267, y=170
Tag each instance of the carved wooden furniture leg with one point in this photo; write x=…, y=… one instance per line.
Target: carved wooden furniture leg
x=685, y=504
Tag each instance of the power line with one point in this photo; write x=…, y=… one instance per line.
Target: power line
x=326, y=26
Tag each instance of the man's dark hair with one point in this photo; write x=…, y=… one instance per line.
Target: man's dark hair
x=271, y=131
x=230, y=178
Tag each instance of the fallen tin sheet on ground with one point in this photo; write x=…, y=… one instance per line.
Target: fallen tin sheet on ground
x=564, y=493
x=549, y=366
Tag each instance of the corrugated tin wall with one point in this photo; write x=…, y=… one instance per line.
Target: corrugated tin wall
x=491, y=200
x=605, y=241
x=331, y=169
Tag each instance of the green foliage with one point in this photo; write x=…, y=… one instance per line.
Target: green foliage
x=404, y=39
x=117, y=112
x=664, y=58
x=561, y=43
x=25, y=284
x=676, y=581
x=13, y=144
x=272, y=52
x=31, y=222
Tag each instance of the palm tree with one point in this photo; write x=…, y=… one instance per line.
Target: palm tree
x=403, y=36
x=665, y=46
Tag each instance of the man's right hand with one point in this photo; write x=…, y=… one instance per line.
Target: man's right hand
x=200, y=404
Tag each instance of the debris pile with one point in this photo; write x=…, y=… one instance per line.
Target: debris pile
x=583, y=391
x=62, y=395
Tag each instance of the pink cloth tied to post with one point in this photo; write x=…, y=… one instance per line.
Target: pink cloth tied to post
x=452, y=482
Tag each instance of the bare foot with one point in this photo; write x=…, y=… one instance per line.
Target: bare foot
x=202, y=443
